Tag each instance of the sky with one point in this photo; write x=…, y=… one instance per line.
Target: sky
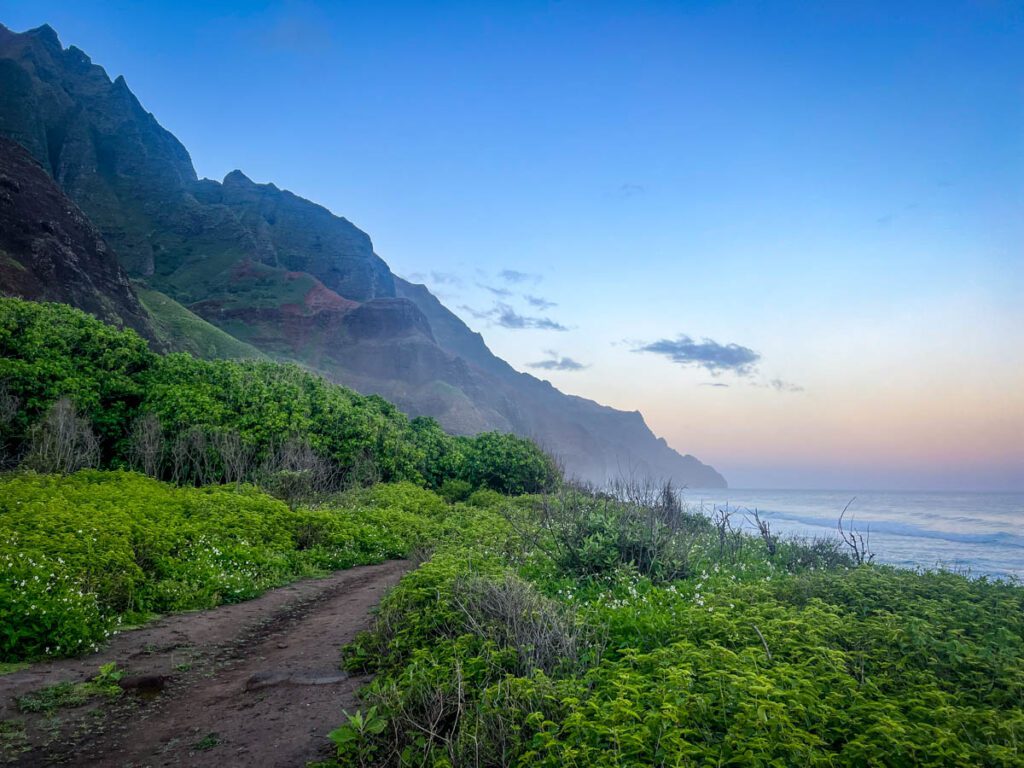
x=790, y=234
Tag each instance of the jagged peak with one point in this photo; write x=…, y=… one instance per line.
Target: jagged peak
x=76, y=57
x=47, y=34
x=237, y=177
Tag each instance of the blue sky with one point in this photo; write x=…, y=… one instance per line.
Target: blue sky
x=836, y=188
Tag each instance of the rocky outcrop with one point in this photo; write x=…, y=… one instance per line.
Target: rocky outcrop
x=300, y=236
x=93, y=136
x=286, y=275
x=49, y=251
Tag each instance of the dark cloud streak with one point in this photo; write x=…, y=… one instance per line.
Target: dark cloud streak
x=557, y=363
x=707, y=354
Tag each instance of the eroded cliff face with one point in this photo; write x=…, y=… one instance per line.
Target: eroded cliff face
x=136, y=183
x=298, y=235
x=286, y=275
x=94, y=138
x=49, y=251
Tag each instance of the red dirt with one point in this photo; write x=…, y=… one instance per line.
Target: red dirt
x=252, y=684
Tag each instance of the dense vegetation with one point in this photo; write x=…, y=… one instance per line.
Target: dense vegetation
x=80, y=554
x=549, y=624
x=553, y=638
x=206, y=421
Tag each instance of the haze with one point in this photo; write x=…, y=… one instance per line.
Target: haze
x=790, y=235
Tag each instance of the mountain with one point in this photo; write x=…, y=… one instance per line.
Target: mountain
x=286, y=276
x=49, y=251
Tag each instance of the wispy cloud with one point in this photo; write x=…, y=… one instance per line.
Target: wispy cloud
x=539, y=301
x=784, y=386
x=445, y=278
x=507, y=317
x=503, y=293
x=555, y=362
x=504, y=315
x=479, y=314
x=716, y=384
x=515, y=276
x=627, y=189
x=707, y=354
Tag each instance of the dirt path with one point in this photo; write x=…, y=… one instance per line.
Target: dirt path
x=252, y=684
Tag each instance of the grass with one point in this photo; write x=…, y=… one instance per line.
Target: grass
x=69, y=694
x=209, y=741
x=184, y=331
x=13, y=738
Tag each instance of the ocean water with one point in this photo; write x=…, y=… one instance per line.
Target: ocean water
x=982, y=533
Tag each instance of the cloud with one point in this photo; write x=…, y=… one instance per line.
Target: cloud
x=515, y=276
x=477, y=313
x=507, y=317
x=707, y=353
x=628, y=190
x=716, y=384
x=445, y=278
x=557, y=363
x=503, y=293
x=784, y=386
x=539, y=302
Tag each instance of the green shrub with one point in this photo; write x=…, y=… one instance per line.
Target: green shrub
x=453, y=490
x=81, y=553
x=507, y=464
x=50, y=351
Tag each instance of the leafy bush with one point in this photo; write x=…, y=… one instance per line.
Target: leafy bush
x=267, y=404
x=50, y=351
x=507, y=464
x=592, y=534
x=453, y=490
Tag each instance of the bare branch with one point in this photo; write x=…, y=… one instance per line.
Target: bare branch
x=62, y=441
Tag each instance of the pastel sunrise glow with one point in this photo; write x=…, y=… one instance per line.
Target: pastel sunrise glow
x=791, y=235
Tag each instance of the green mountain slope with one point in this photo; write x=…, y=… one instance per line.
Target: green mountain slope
x=287, y=276
x=183, y=331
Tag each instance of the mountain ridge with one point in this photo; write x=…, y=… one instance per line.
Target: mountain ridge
x=289, y=277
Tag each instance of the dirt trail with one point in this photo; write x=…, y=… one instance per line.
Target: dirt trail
x=252, y=684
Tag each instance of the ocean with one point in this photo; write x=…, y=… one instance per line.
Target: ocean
x=980, y=533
